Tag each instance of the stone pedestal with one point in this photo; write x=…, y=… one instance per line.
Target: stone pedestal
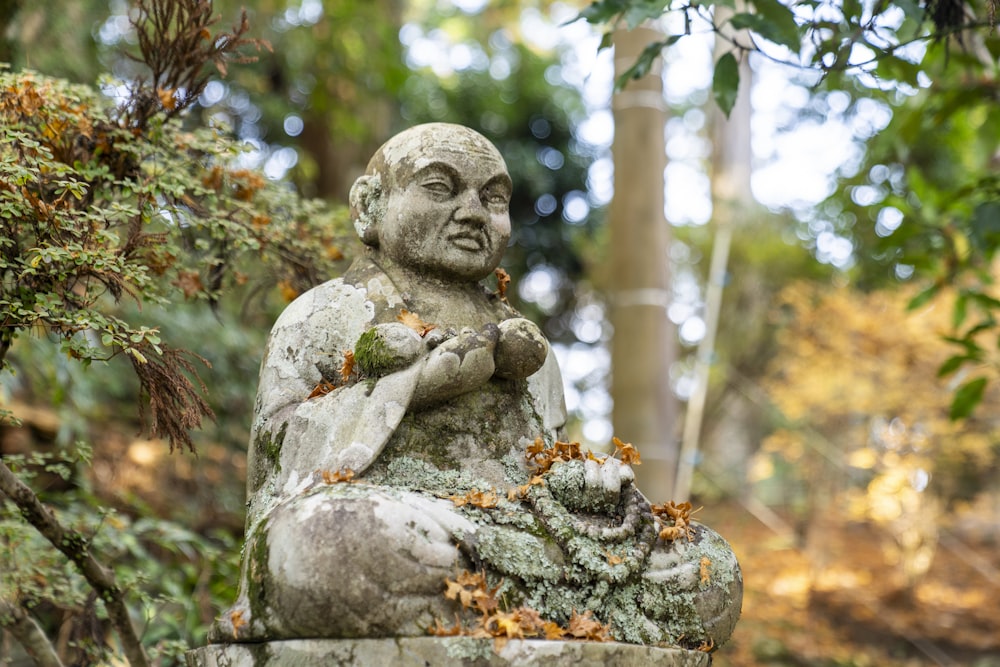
x=440, y=652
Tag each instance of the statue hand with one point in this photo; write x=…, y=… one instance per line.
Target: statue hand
x=457, y=365
x=521, y=349
x=590, y=485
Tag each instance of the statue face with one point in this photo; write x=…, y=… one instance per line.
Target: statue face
x=447, y=203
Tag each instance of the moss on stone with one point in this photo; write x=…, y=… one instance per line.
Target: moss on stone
x=268, y=445
x=373, y=356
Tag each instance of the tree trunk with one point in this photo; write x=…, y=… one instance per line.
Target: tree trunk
x=731, y=196
x=643, y=346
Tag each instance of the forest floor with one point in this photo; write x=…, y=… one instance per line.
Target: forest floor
x=839, y=602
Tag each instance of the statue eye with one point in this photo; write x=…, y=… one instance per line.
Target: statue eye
x=438, y=185
x=496, y=195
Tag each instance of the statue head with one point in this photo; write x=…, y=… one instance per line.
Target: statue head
x=435, y=198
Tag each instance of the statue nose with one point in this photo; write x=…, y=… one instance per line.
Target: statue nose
x=471, y=207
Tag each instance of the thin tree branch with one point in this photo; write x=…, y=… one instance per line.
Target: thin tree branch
x=75, y=547
x=28, y=634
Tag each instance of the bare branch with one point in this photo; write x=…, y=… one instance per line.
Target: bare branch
x=75, y=547
x=28, y=634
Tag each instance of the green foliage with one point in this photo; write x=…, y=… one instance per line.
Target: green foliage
x=850, y=38
x=725, y=82
x=923, y=206
x=174, y=577
x=94, y=211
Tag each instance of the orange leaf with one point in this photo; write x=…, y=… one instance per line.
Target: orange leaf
x=342, y=475
x=503, y=282
x=439, y=630
x=166, y=98
x=626, y=452
x=322, y=389
x=288, y=293
x=503, y=624
x=236, y=618
x=348, y=366
x=189, y=282
x=552, y=630
x=413, y=321
x=706, y=570
x=582, y=626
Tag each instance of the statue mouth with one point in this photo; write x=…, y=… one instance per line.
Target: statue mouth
x=469, y=241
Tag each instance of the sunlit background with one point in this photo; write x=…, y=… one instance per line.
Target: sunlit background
x=866, y=519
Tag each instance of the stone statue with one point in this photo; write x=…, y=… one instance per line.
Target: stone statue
x=412, y=380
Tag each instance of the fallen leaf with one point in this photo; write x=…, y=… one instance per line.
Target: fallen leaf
x=413, y=321
x=502, y=624
x=439, y=630
x=322, y=389
x=347, y=367
x=706, y=570
x=626, y=453
x=582, y=626
x=342, y=475
x=236, y=618
x=503, y=282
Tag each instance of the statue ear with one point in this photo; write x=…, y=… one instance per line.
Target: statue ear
x=367, y=207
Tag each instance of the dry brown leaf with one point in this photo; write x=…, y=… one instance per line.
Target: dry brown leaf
x=322, y=389
x=342, y=475
x=679, y=516
x=236, y=618
x=166, y=98
x=706, y=570
x=413, y=321
x=503, y=282
x=476, y=498
x=521, y=492
x=503, y=624
x=582, y=626
x=552, y=630
x=347, y=367
x=626, y=453
x=439, y=630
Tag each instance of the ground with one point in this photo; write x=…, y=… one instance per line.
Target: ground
x=851, y=612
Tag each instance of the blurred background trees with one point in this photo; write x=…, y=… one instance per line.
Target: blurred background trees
x=856, y=317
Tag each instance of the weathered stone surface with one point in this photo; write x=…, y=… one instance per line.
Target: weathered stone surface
x=441, y=652
x=448, y=390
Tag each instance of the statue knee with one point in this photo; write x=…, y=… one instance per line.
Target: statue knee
x=337, y=562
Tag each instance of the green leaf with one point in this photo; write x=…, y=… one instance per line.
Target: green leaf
x=645, y=10
x=952, y=364
x=644, y=62
x=959, y=311
x=968, y=396
x=922, y=298
x=726, y=82
x=776, y=23
x=601, y=11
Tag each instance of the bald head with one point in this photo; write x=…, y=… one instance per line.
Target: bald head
x=397, y=161
x=413, y=149
x=436, y=198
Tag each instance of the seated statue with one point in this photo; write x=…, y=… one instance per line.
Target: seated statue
x=393, y=397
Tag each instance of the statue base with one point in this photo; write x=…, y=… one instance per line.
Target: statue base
x=441, y=652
